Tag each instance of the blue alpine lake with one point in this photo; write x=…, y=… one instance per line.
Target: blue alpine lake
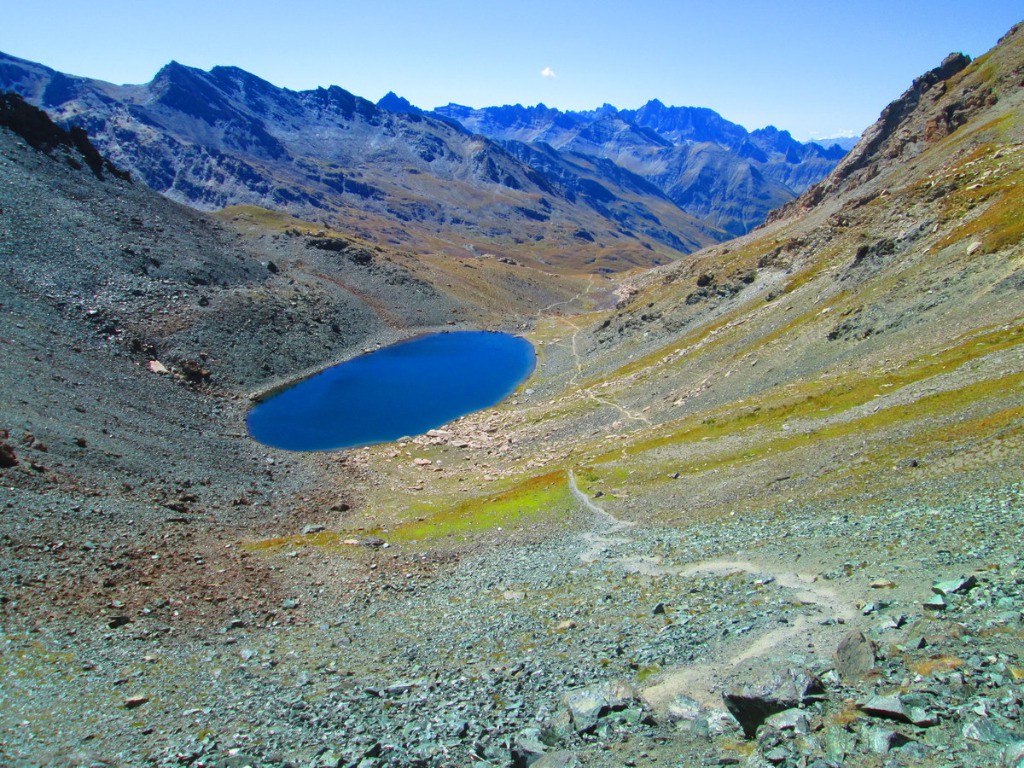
x=404, y=389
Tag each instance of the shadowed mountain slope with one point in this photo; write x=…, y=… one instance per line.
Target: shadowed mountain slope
x=225, y=137
x=712, y=168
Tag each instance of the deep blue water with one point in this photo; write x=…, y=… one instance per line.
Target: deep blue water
x=405, y=389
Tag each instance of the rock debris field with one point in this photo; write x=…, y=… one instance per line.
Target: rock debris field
x=792, y=639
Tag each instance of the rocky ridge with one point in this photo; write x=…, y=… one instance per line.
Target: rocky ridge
x=712, y=168
x=225, y=137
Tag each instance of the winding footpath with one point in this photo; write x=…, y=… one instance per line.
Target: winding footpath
x=703, y=680
x=578, y=363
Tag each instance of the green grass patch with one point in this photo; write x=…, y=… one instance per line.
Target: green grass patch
x=1000, y=225
x=820, y=398
x=263, y=217
x=980, y=433
x=939, y=403
x=646, y=672
x=526, y=502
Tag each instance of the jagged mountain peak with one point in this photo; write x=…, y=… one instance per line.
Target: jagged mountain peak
x=657, y=143
x=228, y=137
x=337, y=99
x=392, y=102
x=176, y=72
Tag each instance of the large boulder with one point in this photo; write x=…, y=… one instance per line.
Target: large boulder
x=586, y=706
x=855, y=657
x=753, y=703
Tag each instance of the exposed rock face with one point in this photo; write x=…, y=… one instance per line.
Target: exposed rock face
x=33, y=125
x=712, y=168
x=936, y=104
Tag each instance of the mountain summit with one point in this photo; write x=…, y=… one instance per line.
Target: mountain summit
x=226, y=137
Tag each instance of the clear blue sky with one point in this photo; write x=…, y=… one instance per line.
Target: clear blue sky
x=817, y=69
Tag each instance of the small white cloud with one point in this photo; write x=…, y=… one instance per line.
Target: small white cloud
x=548, y=72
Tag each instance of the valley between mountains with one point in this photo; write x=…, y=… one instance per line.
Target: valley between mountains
x=760, y=504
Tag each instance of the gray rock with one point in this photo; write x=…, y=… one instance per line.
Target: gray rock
x=937, y=603
x=683, y=708
x=892, y=622
x=890, y=707
x=855, y=656
x=527, y=748
x=922, y=718
x=795, y=720
x=882, y=741
x=988, y=732
x=588, y=705
x=559, y=759
x=239, y=760
x=751, y=705
x=721, y=723
x=959, y=586
x=328, y=759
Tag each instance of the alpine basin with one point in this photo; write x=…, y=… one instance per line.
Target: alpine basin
x=404, y=389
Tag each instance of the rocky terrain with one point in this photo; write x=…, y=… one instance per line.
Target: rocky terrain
x=757, y=507
x=711, y=168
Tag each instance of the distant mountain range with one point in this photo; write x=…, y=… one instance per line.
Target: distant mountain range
x=606, y=190
x=711, y=168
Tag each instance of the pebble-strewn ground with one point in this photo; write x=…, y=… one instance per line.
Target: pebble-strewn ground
x=531, y=649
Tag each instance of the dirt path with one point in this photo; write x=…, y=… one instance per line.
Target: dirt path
x=577, y=359
x=598, y=542
x=578, y=362
x=703, y=680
